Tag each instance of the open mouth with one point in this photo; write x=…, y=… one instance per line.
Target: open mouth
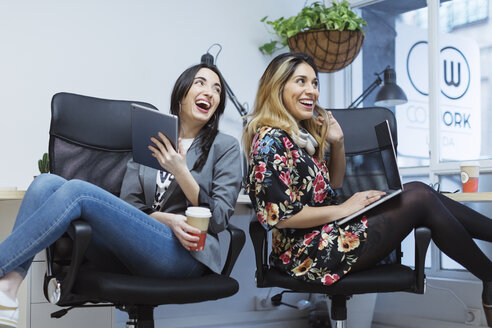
x=307, y=103
x=203, y=105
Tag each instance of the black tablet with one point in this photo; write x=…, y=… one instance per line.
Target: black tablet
x=146, y=123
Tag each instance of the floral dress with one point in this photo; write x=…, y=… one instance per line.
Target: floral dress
x=283, y=179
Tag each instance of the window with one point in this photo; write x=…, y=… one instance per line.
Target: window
x=459, y=13
x=398, y=35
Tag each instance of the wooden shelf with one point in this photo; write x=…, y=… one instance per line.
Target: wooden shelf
x=19, y=194
x=470, y=196
x=12, y=194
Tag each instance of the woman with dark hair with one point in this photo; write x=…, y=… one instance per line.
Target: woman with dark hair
x=144, y=232
x=290, y=186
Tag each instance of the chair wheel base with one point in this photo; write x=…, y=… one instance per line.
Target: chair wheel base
x=319, y=319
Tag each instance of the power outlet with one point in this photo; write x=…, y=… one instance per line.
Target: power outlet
x=263, y=304
x=473, y=317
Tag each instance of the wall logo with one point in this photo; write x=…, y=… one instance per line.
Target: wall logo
x=455, y=73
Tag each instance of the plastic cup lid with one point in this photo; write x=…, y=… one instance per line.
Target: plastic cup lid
x=198, y=212
x=470, y=163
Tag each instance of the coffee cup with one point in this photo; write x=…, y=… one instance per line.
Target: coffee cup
x=198, y=217
x=469, y=176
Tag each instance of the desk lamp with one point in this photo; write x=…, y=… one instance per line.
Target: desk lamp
x=389, y=95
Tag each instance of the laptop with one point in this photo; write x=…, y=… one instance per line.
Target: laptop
x=390, y=166
x=146, y=123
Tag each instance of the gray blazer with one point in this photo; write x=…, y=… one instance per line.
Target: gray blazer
x=219, y=181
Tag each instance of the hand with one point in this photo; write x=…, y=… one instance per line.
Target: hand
x=361, y=199
x=180, y=228
x=168, y=158
x=335, y=133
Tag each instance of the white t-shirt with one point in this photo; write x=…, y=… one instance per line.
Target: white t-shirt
x=164, y=179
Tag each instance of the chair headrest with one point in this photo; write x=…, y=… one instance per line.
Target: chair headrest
x=358, y=127
x=84, y=120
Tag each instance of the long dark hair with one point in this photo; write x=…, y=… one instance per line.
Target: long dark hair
x=209, y=131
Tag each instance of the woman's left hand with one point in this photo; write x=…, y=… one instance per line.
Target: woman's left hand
x=168, y=157
x=335, y=133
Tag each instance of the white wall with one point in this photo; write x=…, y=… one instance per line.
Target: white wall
x=135, y=50
x=119, y=50
x=128, y=50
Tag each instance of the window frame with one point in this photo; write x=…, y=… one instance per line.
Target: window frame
x=436, y=167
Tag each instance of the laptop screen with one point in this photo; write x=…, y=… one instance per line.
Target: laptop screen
x=388, y=155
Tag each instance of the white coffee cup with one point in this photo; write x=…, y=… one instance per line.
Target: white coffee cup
x=199, y=217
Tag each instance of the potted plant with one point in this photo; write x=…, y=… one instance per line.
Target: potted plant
x=332, y=35
x=44, y=164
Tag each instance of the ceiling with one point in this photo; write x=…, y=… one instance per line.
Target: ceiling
x=397, y=7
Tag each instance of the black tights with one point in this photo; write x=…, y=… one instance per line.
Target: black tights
x=453, y=226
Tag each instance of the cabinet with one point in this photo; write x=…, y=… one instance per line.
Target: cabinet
x=39, y=309
x=34, y=309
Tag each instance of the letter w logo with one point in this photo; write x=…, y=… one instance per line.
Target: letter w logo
x=451, y=82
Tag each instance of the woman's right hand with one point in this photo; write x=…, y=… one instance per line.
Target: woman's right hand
x=180, y=228
x=359, y=200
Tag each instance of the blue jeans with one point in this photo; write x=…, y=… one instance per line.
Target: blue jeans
x=122, y=235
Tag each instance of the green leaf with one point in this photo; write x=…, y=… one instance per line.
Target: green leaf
x=269, y=48
x=313, y=17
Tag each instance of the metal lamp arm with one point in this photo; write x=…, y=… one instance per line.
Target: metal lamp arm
x=366, y=92
x=240, y=108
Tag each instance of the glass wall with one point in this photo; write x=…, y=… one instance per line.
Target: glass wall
x=397, y=36
x=465, y=72
x=465, y=31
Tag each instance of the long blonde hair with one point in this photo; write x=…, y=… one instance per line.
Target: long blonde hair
x=269, y=108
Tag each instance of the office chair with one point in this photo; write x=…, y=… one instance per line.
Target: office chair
x=364, y=171
x=90, y=139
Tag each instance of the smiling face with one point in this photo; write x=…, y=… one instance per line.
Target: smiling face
x=202, y=99
x=301, y=92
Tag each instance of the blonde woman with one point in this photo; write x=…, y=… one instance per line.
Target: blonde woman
x=291, y=188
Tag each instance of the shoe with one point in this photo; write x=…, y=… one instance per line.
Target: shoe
x=487, y=302
x=9, y=311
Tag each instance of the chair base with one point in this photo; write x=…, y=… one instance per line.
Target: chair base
x=139, y=316
x=340, y=324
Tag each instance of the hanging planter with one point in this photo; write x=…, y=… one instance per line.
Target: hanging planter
x=332, y=35
x=331, y=50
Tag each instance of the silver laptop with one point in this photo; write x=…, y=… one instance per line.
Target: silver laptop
x=388, y=157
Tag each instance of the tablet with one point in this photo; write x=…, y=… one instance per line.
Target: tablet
x=146, y=123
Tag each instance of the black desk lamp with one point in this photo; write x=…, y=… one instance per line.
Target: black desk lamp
x=242, y=109
x=209, y=59
x=389, y=95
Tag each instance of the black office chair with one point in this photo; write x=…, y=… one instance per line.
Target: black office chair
x=90, y=139
x=364, y=171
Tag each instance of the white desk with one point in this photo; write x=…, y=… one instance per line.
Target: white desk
x=11, y=194
x=19, y=194
x=471, y=196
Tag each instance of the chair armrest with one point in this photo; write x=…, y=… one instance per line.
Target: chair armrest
x=259, y=237
x=81, y=239
x=238, y=237
x=422, y=240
